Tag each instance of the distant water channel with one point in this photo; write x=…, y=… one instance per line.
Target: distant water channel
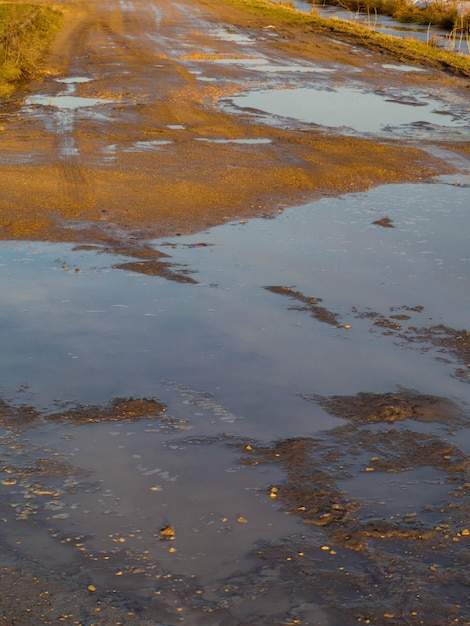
x=387, y=25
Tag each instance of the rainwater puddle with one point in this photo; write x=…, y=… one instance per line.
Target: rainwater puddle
x=132, y=479
x=394, y=495
x=73, y=80
x=65, y=102
x=297, y=69
x=231, y=361
x=403, y=68
x=237, y=141
x=139, y=146
x=259, y=64
x=72, y=336
x=66, y=105
x=231, y=35
x=353, y=109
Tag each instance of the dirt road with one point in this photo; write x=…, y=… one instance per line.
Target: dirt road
x=125, y=138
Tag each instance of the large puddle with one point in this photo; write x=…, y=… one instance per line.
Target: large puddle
x=335, y=297
x=352, y=109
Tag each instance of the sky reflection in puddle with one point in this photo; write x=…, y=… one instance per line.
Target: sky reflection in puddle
x=229, y=359
x=354, y=109
x=105, y=332
x=65, y=101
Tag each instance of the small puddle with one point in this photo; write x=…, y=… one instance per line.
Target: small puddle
x=397, y=494
x=66, y=106
x=140, y=146
x=403, y=68
x=232, y=36
x=73, y=80
x=65, y=102
x=352, y=109
x=236, y=141
x=295, y=69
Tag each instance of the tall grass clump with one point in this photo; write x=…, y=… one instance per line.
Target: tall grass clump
x=25, y=33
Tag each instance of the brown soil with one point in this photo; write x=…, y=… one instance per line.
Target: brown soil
x=143, y=60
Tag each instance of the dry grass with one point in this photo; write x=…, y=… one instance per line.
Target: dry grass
x=25, y=33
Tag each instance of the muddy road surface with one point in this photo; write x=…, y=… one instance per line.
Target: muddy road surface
x=208, y=416
x=127, y=133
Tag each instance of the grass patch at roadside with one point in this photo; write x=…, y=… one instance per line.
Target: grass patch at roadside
x=405, y=49
x=26, y=31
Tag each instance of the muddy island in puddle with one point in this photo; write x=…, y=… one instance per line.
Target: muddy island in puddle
x=208, y=416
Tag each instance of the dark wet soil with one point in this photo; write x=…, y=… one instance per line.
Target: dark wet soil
x=158, y=268
x=119, y=410
x=386, y=222
x=309, y=303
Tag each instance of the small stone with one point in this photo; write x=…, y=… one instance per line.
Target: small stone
x=242, y=520
x=167, y=532
x=91, y=588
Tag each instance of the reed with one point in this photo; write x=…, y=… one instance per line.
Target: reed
x=446, y=14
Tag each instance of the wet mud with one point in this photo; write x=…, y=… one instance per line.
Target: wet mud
x=158, y=268
x=309, y=303
x=118, y=410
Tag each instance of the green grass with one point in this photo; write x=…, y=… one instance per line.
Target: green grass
x=26, y=31
x=407, y=49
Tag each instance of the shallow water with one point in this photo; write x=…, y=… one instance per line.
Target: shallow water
x=352, y=109
x=72, y=335
x=232, y=361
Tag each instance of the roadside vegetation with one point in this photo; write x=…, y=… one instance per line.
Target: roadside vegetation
x=405, y=49
x=25, y=34
x=447, y=14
